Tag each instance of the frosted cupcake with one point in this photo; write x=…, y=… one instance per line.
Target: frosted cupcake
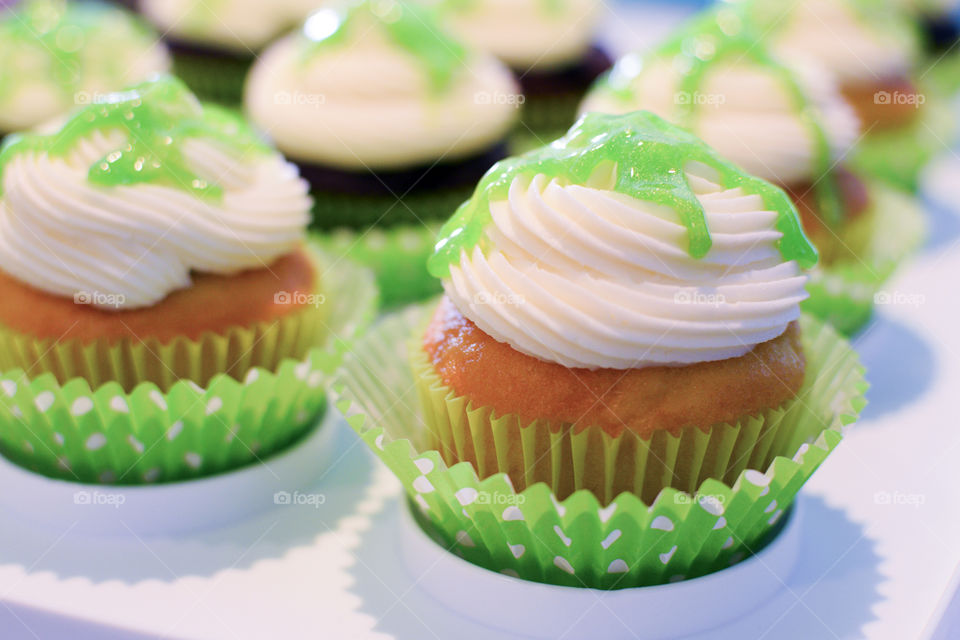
x=56, y=55
x=151, y=247
x=391, y=120
x=788, y=125
x=550, y=44
x=873, y=52
x=215, y=41
x=618, y=383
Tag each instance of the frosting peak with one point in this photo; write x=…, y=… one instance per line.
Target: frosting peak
x=137, y=190
x=627, y=243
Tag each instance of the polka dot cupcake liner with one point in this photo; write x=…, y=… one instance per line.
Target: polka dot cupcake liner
x=898, y=155
x=396, y=255
x=581, y=540
x=100, y=433
x=844, y=293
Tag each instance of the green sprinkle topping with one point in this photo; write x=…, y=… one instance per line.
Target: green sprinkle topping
x=158, y=116
x=727, y=34
x=409, y=26
x=650, y=155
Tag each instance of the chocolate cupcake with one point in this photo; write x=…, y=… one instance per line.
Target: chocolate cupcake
x=390, y=119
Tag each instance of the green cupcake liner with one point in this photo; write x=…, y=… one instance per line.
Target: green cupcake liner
x=579, y=542
x=942, y=72
x=217, y=79
x=897, y=156
x=340, y=210
x=102, y=434
x=397, y=256
x=843, y=293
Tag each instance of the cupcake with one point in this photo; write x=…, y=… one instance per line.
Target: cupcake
x=786, y=124
x=619, y=349
x=873, y=52
x=214, y=43
x=551, y=45
x=153, y=248
x=391, y=120
x=55, y=55
x=939, y=23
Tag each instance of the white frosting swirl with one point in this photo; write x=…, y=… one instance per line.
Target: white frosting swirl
x=109, y=56
x=590, y=278
x=367, y=103
x=526, y=34
x=130, y=246
x=243, y=26
x=843, y=41
x=745, y=111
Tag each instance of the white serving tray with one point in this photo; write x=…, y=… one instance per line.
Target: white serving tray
x=877, y=540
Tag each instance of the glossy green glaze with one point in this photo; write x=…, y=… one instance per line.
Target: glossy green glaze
x=719, y=37
x=158, y=116
x=59, y=30
x=649, y=155
x=410, y=27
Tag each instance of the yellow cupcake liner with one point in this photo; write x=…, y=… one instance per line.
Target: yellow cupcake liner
x=582, y=540
x=94, y=430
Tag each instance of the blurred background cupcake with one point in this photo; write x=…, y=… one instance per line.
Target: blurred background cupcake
x=621, y=322
x=391, y=120
x=152, y=263
x=551, y=46
x=214, y=42
x=55, y=55
x=787, y=124
x=873, y=51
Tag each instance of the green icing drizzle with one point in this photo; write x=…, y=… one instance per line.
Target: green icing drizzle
x=715, y=36
x=60, y=30
x=649, y=154
x=411, y=27
x=158, y=116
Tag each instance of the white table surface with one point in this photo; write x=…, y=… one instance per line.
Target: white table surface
x=879, y=552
